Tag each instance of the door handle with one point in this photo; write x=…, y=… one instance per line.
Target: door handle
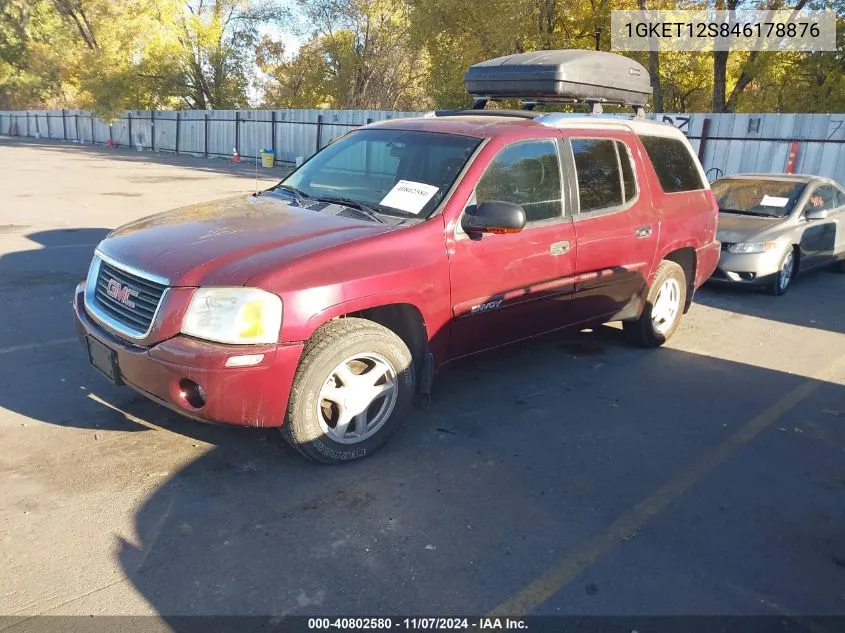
x=559, y=248
x=643, y=231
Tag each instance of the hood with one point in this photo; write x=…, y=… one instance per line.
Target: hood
x=734, y=228
x=225, y=242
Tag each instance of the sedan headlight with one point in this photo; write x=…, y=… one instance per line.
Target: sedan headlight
x=752, y=247
x=234, y=315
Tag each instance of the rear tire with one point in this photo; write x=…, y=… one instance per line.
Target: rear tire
x=350, y=392
x=664, y=306
x=786, y=273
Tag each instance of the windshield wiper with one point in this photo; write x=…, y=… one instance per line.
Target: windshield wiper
x=753, y=213
x=298, y=195
x=362, y=208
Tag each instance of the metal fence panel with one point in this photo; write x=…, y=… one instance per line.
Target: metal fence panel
x=734, y=142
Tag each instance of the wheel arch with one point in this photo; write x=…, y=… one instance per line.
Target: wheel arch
x=398, y=313
x=686, y=258
x=796, y=250
x=403, y=319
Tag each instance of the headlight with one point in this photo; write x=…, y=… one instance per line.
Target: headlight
x=234, y=315
x=752, y=247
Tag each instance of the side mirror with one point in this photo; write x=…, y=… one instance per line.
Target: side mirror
x=816, y=214
x=494, y=216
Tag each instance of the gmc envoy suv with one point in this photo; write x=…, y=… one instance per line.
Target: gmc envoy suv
x=324, y=304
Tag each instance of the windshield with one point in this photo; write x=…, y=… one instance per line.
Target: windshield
x=396, y=172
x=769, y=198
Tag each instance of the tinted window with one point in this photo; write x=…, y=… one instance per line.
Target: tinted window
x=599, y=184
x=824, y=197
x=524, y=173
x=675, y=166
x=628, y=180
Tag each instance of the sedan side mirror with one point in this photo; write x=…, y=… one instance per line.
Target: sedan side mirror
x=493, y=216
x=816, y=214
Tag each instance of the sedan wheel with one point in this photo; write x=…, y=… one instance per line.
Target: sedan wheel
x=781, y=281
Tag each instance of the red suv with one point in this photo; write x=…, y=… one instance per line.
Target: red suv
x=323, y=304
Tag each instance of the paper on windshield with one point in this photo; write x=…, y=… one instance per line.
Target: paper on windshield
x=774, y=201
x=409, y=196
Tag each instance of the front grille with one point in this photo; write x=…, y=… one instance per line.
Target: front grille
x=135, y=318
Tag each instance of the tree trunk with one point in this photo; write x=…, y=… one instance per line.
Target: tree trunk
x=546, y=18
x=720, y=69
x=653, y=70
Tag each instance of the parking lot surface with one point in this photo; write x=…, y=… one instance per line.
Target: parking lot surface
x=569, y=475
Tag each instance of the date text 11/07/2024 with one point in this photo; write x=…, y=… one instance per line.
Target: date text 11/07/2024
x=418, y=624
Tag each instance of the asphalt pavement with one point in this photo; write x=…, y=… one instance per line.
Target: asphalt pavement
x=570, y=475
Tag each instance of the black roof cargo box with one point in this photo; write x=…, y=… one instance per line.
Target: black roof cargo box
x=562, y=75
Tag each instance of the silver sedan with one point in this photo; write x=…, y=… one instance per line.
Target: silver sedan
x=774, y=225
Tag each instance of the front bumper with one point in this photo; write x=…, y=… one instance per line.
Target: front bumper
x=246, y=396
x=743, y=268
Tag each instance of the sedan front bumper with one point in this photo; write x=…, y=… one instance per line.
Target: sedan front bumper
x=745, y=268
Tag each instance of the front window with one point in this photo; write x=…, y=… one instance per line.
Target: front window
x=824, y=198
x=763, y=197
x=526, y=173
x=397, y=172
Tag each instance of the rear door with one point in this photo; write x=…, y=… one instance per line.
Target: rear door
x=615, y=227
x=516, y=285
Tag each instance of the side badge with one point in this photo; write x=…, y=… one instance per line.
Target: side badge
x=490, y=305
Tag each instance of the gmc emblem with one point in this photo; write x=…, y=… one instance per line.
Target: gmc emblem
x=121, y=293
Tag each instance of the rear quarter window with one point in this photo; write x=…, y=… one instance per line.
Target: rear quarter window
x=674, y=164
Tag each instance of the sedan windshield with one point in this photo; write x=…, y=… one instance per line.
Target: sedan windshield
x=769, y=198
x=395, y=172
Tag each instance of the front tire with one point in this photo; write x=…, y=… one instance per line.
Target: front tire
x=350, y=392
x=665, y=303
x=786, y=273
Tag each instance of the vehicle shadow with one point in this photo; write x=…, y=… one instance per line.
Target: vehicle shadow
x=525, y=454
x=526, y=451
x=813, y=301
x=246, y=168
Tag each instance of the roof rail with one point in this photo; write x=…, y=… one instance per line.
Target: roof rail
x=519, y=114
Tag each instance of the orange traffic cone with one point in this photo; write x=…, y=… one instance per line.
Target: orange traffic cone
x=235, y=157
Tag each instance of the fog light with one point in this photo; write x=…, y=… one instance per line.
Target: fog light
x=192, y=393
x=247, y=360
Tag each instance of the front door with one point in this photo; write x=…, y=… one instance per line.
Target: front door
x=511, y=286
x=616, y=230
x=819, y=239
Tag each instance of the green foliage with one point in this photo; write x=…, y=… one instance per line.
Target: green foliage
x=112, y=55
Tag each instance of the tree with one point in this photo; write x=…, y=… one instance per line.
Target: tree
x=360, y=51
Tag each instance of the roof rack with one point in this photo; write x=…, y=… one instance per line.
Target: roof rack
x=520, y=114
x=593, y=78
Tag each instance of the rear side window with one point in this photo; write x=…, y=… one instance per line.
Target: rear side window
x=675, y=167
x=525, y=173
x=597, y=167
